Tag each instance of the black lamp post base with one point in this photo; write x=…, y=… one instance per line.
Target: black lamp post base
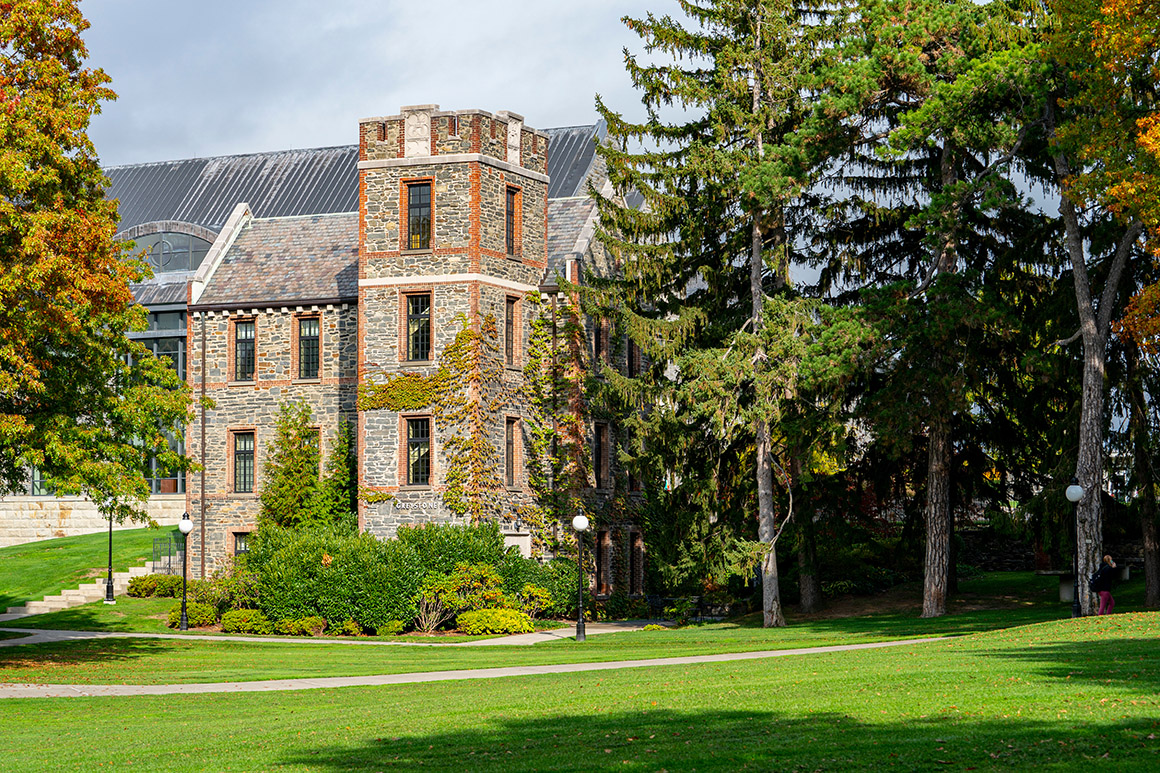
x=580, y=631
x=109, y=593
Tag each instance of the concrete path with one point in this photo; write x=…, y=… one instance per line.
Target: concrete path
x=81, y=690
x=522, y=639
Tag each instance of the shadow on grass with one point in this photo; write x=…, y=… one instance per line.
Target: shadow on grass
x=744, y=740
x=1125, y=663
x=55, y=655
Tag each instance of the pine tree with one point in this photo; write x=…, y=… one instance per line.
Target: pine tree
x=723, y=185
x=290, y=473
x=78, y=400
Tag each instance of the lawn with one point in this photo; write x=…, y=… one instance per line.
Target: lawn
x=34, y=570
x=1063, y=695
x=986, y=604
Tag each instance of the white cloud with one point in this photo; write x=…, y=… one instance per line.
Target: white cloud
x=221, y=77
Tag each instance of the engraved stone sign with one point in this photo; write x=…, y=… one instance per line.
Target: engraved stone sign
x=417, y=131
x=515, y=130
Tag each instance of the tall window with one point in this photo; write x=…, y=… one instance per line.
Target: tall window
x=600, y=451
x=308, y=348
x=509, y=332
x=418, y=452
x=511, y=432
x=419, y=216
x=419, y=327
x=635, y=563
x=244, y=462
x=603, y=564
x=244, y=351
x=511, y=207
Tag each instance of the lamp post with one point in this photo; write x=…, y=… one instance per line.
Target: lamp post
x=109, y=583
x=1074, y=494
x=186, y=526
x=580, y=524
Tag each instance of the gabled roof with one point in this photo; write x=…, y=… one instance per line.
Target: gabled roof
x=288, y=260
x=203, y=191
x=570, y=229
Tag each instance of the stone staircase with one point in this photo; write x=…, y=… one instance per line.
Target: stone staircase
x=85, y=594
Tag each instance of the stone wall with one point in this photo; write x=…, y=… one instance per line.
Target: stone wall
x=254, y=406
x=29, y=519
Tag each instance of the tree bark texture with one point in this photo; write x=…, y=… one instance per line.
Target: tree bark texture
x=934, y=590
x=809, y=586
x=772, y=616
x=1145, y=480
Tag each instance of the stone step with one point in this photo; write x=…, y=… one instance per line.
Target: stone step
x=86, y=593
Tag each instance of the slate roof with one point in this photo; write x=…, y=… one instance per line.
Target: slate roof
x=566, y=223
x=288, y=260
x=204, y=191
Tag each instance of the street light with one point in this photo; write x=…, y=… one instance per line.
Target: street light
x=109, y=583
x=186, y=526
x=580, y=524
x=1074, y=493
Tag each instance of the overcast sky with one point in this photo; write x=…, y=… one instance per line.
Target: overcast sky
x=218, y=77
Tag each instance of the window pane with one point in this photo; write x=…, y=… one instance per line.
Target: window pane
x=509, y=327
x=418, y=452
x=419, y=216
x=244, y=351
x=418, y=327
x=244, y=462
x=308, y=348
x=510, y=452
x=510, y=221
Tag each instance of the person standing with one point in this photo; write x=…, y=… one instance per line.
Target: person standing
x=1102, y=583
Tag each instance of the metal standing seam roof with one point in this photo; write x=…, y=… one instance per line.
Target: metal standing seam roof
x=287, y=260
x=204, y=191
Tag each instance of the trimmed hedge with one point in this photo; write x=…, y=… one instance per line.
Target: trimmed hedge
x=441, y=547
x=163, y=585
x=494, y=621
x=334, y=575
x=246, y=621
x=307, y=626
x=198, y=615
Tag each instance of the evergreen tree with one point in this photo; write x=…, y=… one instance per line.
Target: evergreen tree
x=78, y=400
x=290, y=474
x=723, y=186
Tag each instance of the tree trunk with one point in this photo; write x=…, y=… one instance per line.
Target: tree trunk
x=810, y=589
x=772, y=616
x=1145, y=481
x=934, y=591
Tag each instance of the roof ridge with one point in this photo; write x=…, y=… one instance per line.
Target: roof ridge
x=228, y=156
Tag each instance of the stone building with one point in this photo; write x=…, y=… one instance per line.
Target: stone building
x=314, y=275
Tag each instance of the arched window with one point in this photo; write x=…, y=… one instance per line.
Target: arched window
x=170, y=251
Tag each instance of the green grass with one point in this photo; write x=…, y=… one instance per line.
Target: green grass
x=1064, y=695
x=34, y=570
x=986, y=604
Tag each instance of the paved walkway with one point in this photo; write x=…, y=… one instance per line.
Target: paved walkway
x=78, y=690
x=521, y=639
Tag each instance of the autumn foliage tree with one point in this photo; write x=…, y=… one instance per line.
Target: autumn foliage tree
x=79, y=401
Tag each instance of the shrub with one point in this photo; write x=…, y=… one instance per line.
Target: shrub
x=164, y=585
x=246, y=621
x=560, y=579
x=533, y=598
x=654, y=627
x=143, y=586
x=493, y=621
x=334, y=575
x=306, y=626
x=351, y=628
x=391, y=628
x=442, y=547
x=469, y=587
x=198, y=615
